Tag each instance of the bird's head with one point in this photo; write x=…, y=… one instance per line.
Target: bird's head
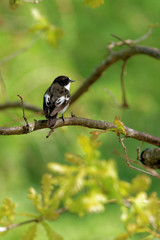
x=64, y=81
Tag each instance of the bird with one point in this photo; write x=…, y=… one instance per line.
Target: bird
x=151, y=157
x=57, y=99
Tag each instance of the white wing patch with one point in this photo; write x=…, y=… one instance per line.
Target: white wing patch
x=61, y=100
x=47, y=99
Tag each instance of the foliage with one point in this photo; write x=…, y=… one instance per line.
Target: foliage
x=31, y=232
x=15, y=3
x=52, y=33
x=87, y=184
x=93, y=3
x=7, y=212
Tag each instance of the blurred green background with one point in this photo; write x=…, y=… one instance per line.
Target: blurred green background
x=87, y=32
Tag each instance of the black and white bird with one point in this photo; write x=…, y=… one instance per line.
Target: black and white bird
x=57, y=98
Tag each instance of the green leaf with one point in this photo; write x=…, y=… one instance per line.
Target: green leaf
x=122, y=236
x=73, y=158
x=140, y=183
x=93, y=3
x=124, y=188
x=150, y=237
x=47, y=188
x=120, y=126
x=89, y=146
x=51, y=234
x=7, y=212
x=58, y=168
x=36, y=199
x=86, y=144
x=52, y=33
x=75, y=205
x=31, y=232
x=94, y=201
x=15, y=3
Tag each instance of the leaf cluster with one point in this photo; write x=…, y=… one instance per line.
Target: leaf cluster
x=87, y=184
x=52, y=33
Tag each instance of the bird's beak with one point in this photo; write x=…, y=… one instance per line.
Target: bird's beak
x=72, y=80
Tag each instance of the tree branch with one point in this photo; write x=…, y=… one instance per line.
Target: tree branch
x=111, y=59
x=83, y=122
x=16, y=104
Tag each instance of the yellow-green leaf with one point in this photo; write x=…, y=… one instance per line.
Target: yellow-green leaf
x=31, y=232
x=36, y=199
x=53, y=36
x=47, y=188
x=122, y=236
x=14, y=3
x=51, y=234
x=93, y=3
x=94, y=201
x=73, y=158
x=57, y=168
x=7, y=211
x=52, y=33
x=140, y=183
x=85, y=143
x=120, y=126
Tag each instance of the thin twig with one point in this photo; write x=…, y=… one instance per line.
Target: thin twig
x=15, y=225
x=123, y=42
x=138, y=153
x=24, y=117
x=18, y=52
x=129, y=42
x=113, y=101
x=146, y=35
x=3, y=87
x=123, y=156
x=124, y=100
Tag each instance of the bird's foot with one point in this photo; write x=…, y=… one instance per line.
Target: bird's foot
x=51, y=122
x=73, y=115
x=62, y=118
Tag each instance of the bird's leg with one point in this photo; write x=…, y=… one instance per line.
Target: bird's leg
x=51, y=122
x=73, y=115
x=62, y=118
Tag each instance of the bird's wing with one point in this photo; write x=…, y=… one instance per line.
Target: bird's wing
x=60, y=103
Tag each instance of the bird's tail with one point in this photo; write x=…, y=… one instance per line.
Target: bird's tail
x=52, y=121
